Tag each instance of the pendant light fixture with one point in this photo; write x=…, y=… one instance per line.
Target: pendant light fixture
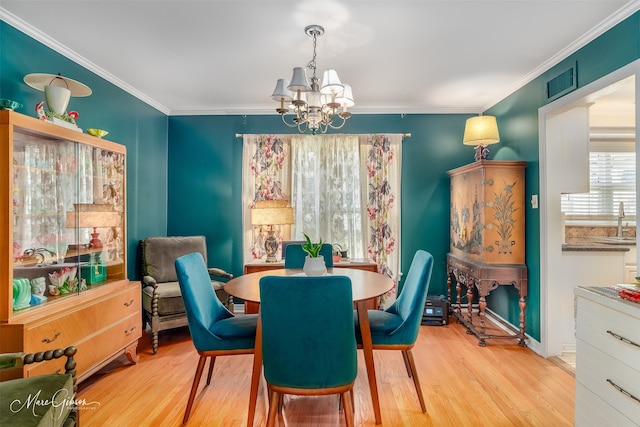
x=315, y=106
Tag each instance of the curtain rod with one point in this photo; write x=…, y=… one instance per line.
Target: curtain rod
x=404, y=135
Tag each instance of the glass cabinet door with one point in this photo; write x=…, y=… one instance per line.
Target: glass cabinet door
x=68, y=218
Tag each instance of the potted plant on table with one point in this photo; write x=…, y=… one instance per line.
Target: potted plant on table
x=314, y=262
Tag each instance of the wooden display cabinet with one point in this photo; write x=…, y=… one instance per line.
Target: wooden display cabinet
x=63, y=248
x=487, y=237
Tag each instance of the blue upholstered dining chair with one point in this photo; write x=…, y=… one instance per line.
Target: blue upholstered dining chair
x=396, y=328
x=309, y=348
x=294, y=255
x=215, y=331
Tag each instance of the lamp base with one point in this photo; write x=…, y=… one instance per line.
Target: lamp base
x=482, y=153
x=271, y=247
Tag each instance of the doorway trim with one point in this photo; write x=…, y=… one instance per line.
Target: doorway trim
x=550, y=221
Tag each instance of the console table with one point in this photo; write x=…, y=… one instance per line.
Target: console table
x=258, y=265
x=485, y=278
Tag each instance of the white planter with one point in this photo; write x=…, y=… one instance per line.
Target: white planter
x=314, y=266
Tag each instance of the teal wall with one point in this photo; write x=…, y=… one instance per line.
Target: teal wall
x=131, y=122
x=184, y=172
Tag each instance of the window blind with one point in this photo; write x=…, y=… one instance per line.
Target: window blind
x=612, y=179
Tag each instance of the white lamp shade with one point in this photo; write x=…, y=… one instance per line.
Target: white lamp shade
x=281, y=92
x=481, y=130
x=57, y=98
x=299, y=80
x=346, y=99
x=331, y=82
x=271, y=212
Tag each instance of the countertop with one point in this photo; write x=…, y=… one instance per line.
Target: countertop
x=598, y=244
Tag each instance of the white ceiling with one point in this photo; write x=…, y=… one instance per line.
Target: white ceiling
x=404, y=56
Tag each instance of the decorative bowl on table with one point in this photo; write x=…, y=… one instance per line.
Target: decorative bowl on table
x=7, y=104
x=97, y=132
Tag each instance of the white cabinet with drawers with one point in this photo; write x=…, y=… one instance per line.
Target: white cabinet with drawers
x=607, y=359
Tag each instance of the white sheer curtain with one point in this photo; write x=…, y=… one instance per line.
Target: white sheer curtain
x=325, y=188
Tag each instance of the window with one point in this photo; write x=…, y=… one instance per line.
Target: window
x=612, y=180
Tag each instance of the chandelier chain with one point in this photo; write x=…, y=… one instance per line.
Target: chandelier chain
x=312, y=64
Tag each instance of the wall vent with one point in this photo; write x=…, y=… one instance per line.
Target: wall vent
x=562, y=83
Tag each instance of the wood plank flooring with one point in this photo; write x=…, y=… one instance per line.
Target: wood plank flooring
x=463, y=385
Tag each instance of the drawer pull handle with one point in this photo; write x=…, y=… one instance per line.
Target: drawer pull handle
x=623, y=339
x=128, y=303
x=130, y=331
x=623, y=391
x=55, y=337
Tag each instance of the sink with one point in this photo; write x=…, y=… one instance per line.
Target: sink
x=624, y=240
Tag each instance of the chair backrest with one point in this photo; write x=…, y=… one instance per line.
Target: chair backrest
x=159, y=255
x=310, y=344
x=295, y=255
x=410, y=302
x=286, y=243
x=201, y=305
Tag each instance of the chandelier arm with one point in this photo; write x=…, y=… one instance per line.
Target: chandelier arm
x=291, y=125
x=340, y=125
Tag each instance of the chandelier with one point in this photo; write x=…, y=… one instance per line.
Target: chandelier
x=315, y=107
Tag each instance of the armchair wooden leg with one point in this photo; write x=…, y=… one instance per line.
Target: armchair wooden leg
x=211, y=363
x=194, y=388
x=416, y=381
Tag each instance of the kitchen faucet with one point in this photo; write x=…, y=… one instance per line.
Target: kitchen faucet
x=620, y=216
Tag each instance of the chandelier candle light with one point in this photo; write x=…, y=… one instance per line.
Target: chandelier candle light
x=479, y=132
x=315, y=107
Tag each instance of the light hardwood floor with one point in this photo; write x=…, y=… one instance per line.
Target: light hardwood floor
x=463, y=385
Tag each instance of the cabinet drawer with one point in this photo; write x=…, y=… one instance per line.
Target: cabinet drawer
x=67, y=329
x=596, y=369
x=591, y=410
x=593, y=322
x=95, y=348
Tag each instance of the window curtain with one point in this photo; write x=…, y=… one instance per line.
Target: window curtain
x=380, y=172
x=265, y=176
x=326, y=191
x=344, y=189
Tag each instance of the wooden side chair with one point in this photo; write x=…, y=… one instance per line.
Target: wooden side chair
x=396, y=328
x=294, y=255
x=309, y=348
x=215, y=331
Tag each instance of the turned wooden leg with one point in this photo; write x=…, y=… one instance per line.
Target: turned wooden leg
x=458, y=301
x=482, y=304
x=523, y=305
x=469, y=305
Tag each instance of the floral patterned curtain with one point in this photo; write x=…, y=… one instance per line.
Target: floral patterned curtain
x=381, y=170
x=265, y=176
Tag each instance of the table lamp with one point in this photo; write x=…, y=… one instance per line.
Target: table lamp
x=93, y=215
x=481, y=131
x=270, y=213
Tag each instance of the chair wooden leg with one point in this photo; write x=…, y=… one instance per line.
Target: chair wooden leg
x=273, y=408
x=194, y=388
x=416, y=381
x=348, y=408
x=211, y=363
x=406, y=362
